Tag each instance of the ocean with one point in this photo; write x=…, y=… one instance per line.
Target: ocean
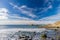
x=16, y=26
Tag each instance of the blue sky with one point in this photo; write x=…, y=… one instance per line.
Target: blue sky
x=36, y=10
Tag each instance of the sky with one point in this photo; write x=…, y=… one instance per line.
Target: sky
x=29, y=11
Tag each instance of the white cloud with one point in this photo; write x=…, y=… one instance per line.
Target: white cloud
x=18, y=22
x=15, y=16
x=21, y=20
x=55, y=17
x=6, y=19
x=52, y=18
x=45, y=9
x=3, y=13
x=25, y=10
x=47, y=5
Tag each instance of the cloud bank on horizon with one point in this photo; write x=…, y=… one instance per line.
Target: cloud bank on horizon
x=14, y=11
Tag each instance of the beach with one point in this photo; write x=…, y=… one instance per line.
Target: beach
x=35, y=33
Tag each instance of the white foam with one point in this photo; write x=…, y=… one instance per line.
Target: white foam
x=23, y=29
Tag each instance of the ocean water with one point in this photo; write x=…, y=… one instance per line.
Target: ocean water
x=17, y=26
